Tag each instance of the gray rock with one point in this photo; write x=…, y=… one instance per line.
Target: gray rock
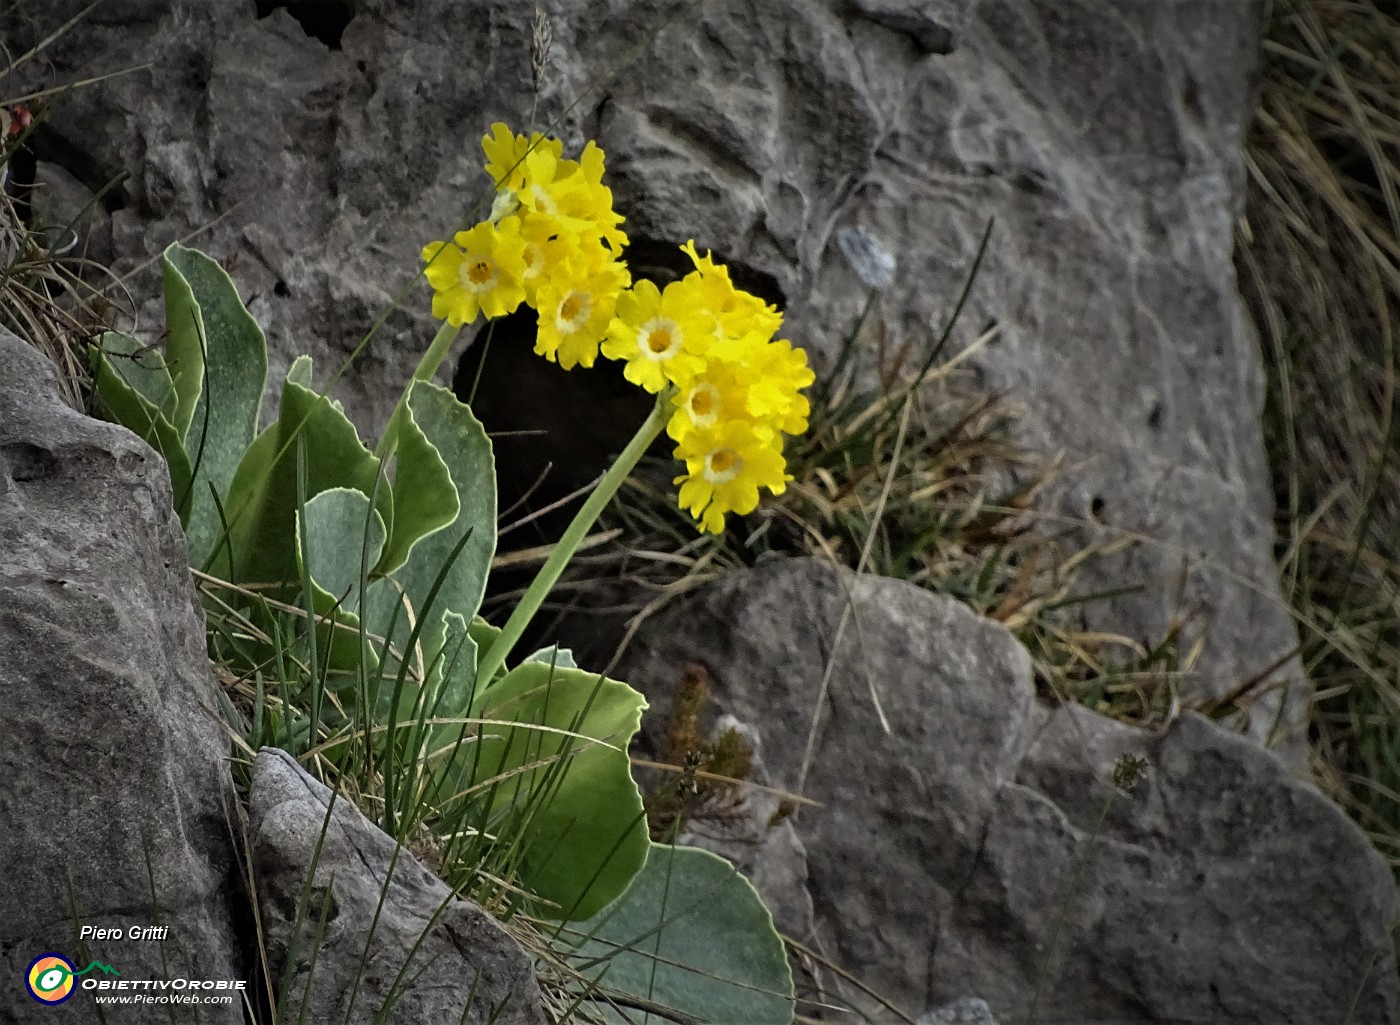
x=116, y=803
x=393, y=934
x=979, y=844
x=70, y=214
x=800, y=140
x=966, y=1011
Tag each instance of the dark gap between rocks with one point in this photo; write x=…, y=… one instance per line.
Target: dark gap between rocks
x=555, y=431
x=325, y=20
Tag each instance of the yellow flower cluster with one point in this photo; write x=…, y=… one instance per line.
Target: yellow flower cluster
x=553, y=242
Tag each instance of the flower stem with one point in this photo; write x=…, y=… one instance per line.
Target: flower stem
x=438, y=349
x=578, y=529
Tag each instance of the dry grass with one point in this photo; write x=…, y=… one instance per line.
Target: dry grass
x=915, y=478
x=46, y=295
x=1319, y=261
x=51, y=294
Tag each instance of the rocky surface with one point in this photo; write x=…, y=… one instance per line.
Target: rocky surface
x=392, y=935
x=979, y=844
x=966, y=1011
x=115, y=795
x=824, y=148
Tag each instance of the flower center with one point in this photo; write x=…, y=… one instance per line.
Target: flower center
x=659, y=338
x=478, y=275
x=702, y=403
x=573, y=312
x=544, y=202
x=723, y=465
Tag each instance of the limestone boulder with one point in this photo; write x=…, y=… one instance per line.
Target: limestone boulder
x=969, y=841
x=117, y=809
x=358, y=930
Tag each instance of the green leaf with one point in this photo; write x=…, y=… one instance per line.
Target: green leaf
x=465, y=450
x=693, y=935
x=138, y=414
x=425, y=497
x=336, y=521
x=554, y=656
x=261, y=506
x=579, y=816
x=451, y=654
x=213, y=338
x=484, y=634
x=142, y=368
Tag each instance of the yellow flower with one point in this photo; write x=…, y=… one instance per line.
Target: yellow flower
x=547, y=183
x=736, y=313
x=505, y=154
x=657, y=333
x=480, y=273
x=726, y=465
x=718, y=393
x=553, y=241
x=753, y=380
x=573, y=195
x=548, y=250
x=778, y=373
x=575, y=309
x=600, y=209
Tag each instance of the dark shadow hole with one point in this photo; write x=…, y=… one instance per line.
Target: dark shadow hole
x=28, y=463
x=51, y=147
x=325, y=20
x=19, y=183
x=555, y=431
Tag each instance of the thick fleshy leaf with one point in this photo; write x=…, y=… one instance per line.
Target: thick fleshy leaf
x=134, y=411
x=554, y=656
x=141, y=366
x=485, y=635
x=332, y=547
x=218, y=358
x=261, y=507
x=584, y=833
x=461, y=442
x=335, y=527
x=425, y=497
x=450, y=654
x=692, y=935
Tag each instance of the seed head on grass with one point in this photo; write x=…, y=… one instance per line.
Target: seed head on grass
x=541, y=39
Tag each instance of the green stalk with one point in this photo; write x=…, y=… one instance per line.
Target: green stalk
x=582, y=523
x=428, y=366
